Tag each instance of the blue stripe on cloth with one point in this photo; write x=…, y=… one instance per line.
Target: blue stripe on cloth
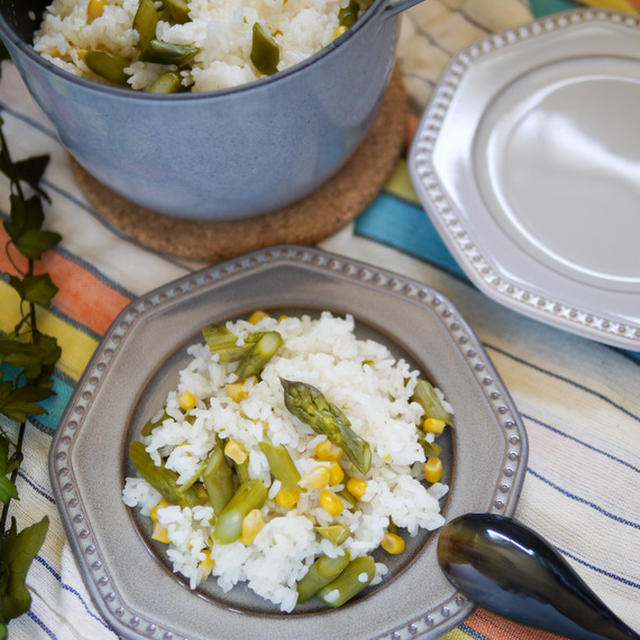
x=476, y=635
x=53, y=405
x=35, y=487
x=557, y=376
x=608, y=574
x=30, y=121
x=405, y=226
x=581, y=442
x=70, y=589
x=573, y=496
x=41, y=624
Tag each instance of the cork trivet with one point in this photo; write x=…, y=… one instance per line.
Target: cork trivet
x=306, y=222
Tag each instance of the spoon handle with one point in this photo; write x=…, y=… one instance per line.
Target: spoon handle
x=510, y=570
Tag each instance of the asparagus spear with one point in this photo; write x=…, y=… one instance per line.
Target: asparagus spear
x=218, y=480
x=321, y=573
x=250, y=495
x=426, y=396
x=282, y=466
x=223, y=342
x=309, y=405
x=259, y=354
x=160, y=478
x=358, y=574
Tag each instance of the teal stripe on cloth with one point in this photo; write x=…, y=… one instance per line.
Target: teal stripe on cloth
x=53, y=405
x=405, y=226
x=541, y=8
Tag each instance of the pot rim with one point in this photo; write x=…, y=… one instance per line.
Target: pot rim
x=8, y=33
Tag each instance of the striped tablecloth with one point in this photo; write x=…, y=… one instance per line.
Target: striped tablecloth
x=579, y=400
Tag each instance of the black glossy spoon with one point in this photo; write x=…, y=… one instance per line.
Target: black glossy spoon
x=510, y=570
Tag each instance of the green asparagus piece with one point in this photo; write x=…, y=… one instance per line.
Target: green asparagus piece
x=221, y=341
x=348, y=498
x=160, y=478
x=265, y=51
x=107, y=65
x=349, y=14
x=218, y=480
x=426, y=396
x=309, y=405
x=242, y=470
x=259, y=354
x=282, y=466
x=250, y=495
x=169, y=82
x=168, y=53
x=430, y=448
x=358, y=574
x=336, y=533
x=178, y=10
x=149, y=426
x=321, y=573
x=145, y=22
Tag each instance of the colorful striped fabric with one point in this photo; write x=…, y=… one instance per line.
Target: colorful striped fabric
x=579, y=400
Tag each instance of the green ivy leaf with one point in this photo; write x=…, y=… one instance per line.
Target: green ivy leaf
x=4, y=53
x=4, y=455
x=31, y=171
x=7, y=490
x=34, y=242
x=15, y=226
x=22, y=354
x=21, y=403
x=16, y=283
x=34, y=214
x=17, y=552
x=38, y=289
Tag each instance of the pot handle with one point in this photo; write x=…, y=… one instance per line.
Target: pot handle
x=396, y=6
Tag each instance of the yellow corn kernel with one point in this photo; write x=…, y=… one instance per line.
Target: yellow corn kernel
x=331, y=503
x=282, y=317
x=433, y=425
x=341, y=29
x=153, y=514
x=356, y=487
x=95, y=9
x=328, y=452
x=236, y=451
x=392, y=543
x=54, y=53
x=256, y=316
x=387, y=457
x=336, y=474
x=287, y=498
x=236, y=391
x=433, y=469
x=186, y=400
x=206, y=565
x=252, y=524
x=316, y=479
x=160, y=533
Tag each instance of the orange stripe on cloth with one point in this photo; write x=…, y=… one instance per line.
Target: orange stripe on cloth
x=82, y=296
x=497, y=628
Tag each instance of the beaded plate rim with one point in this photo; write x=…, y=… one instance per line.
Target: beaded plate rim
x=95, y=569
x=463, y=243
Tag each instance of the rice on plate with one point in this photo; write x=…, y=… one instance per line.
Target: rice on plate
x=197, y=45
x=289, y=452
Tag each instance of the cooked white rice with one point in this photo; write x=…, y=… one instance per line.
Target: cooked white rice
x=222, y=29
x=373, y=390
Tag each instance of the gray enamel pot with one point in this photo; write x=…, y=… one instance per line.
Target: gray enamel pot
x=219, y=155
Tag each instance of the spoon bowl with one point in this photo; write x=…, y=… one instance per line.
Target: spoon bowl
x=511, y=570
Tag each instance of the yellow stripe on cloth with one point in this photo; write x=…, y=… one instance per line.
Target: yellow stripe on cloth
x=400, y=184
x=77, y=347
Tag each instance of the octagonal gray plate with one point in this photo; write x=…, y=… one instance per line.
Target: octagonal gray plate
x=137, y=362
x=526, y=160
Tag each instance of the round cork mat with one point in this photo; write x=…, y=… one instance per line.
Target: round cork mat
x=318, y=215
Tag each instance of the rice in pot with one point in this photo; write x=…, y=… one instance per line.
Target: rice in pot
x=221, y=30
x=376, y=394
